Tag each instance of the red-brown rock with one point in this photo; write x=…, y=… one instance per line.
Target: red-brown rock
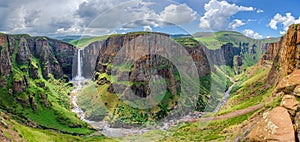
x=275, y=125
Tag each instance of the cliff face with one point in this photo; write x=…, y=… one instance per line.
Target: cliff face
x=28, y=54
x=223, y=55
x=6, y=65
x=289, y=54
x=135, y=60
x=285, y=74
x=89, y=59
x=285, y=55
x=135, y=45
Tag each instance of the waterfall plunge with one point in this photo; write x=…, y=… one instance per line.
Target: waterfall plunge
x=79, y=76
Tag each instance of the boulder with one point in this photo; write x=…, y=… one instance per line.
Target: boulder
x=297, y=91
x=289, y=83
x=290, y=102
x=275, y=125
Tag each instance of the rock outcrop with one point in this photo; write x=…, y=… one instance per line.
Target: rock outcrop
x=89, y=59
x=224, y=55
x=25, y=61
x=238, y=64
x=5, y=62
x=276, y=125
x=132, y=46
x=287, y=55
x=142, y=58
x=271, y=52
x=23, y=51
x=285, y=74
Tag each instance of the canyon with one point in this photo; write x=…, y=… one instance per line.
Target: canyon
x=32, y=68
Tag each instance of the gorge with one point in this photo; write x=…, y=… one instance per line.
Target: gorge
x=101, y=79
x=131, y=42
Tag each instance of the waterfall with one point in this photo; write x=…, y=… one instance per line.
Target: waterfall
x=79, y=66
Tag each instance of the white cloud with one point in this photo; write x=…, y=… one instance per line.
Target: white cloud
x=285, y=21
x=217, y=14
x=282, y=32
x=260, y=11
x=178, y=14
x=252, y=34
x=236, y=23
x=140, y=14
x=147, y=28
x=89, y=16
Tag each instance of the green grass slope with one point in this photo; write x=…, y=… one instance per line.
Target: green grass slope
x=82, y=43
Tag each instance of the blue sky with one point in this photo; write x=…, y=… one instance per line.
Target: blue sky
x=254, y=18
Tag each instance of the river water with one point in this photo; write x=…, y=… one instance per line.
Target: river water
x=105, y=128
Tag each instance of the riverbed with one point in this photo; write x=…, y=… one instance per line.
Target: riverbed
x=105, y=128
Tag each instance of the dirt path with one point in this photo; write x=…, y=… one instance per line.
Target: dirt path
x=230, y=115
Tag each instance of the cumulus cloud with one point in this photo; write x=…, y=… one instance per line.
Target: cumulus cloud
x=218, y=13
x=236, y=23
x=284, y=20
x=147, y=28
x=89, y=16
x=178, y=14
x=252, y=34
x=38, y=17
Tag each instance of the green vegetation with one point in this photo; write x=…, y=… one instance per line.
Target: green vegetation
x=91, y=103
x=44, y=102
x=187, y=42
x=15, y=131
x=249, y=91
x=84, y=42
x=214, y=131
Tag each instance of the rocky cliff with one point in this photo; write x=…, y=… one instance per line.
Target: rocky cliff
x=22, y=51
x=89, y=57
x=282, y=123
x=224, y=55
x=25, y=61
x=141, y=58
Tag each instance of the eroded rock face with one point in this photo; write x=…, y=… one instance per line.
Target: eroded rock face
x=297, y=90
x=55, y=58
x=288, y=52
x=20, y=83
x=89, y=59
x=5, y=62
x=238, y=64
x=291, y=103
x=133, y=48
x=224, y=55
x=275, y=125
x=132, y=61
x=271, y=52
x=289, y=83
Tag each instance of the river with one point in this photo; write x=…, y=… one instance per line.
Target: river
x=105, y=129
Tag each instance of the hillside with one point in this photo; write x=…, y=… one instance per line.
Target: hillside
x=272, y=84
x=34, y=75
x=84, y=42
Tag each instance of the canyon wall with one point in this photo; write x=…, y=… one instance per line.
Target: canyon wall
x=22, y=53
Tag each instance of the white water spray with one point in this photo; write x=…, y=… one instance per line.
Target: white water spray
x=79, y=66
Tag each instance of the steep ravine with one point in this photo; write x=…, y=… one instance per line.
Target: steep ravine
x=114, y=131
x=106, y=129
